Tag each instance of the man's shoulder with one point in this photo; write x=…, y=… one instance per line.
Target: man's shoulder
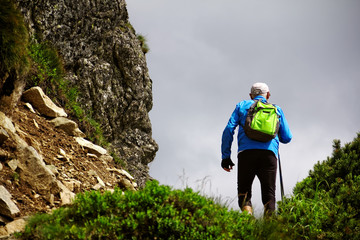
x=246, y=102
x=244, y=105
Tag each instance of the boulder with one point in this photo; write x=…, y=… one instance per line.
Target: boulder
x=65, y=194
x=121, y=172
x=69, y=126
x=43, y=103
x=17, y=225
x=7, y=206
x=91, y=147
x=34, y=171
x=126, y=183
x=6, y=123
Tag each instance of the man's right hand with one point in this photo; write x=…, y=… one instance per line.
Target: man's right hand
x=227, y=164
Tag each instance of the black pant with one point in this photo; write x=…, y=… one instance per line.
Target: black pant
x=260, y=163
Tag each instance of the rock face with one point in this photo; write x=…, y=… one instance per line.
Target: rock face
x=103, y=58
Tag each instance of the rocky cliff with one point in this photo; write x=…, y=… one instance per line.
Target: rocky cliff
x=45, y=156
x=103, y=58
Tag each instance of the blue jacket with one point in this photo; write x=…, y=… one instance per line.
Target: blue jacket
x=238, y=119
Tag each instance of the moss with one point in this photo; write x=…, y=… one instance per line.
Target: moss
x=144, y=46
x=13, y=40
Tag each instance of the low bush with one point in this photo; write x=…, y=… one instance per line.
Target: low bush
x=155, y=212
x=326, y=204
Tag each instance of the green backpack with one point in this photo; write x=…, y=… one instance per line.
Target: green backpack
x=262, y=121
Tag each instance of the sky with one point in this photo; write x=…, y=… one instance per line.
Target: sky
x=205, y=55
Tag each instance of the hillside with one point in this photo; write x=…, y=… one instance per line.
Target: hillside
x=48, y=140
x=90, y=66
x=65, y=167
x=325, y=205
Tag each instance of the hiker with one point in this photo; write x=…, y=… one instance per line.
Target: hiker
x=255, y=158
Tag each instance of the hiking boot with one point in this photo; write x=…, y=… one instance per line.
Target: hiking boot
x=247, y=209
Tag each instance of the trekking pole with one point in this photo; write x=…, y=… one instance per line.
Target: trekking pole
x=281, y=180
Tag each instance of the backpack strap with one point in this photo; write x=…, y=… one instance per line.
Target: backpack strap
x=250, y=110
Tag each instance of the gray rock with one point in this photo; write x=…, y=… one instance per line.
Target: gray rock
x=121, y=172
x=34, y=171
x=43, y=103
x=3, y=135
x=6, y=123
x=126, y=183
x=7, y=206
x=13, y=164
x=73, y=185
x=29, y=106
x=17, y=225
x=3, y=233
x=91, y=147
x=65, y=194
x=69, y=126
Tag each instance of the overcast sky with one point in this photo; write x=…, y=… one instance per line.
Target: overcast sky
x=205, y=55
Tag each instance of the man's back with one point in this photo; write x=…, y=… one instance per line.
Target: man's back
x=238, y=118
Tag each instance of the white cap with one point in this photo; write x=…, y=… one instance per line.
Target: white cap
x=259, y=88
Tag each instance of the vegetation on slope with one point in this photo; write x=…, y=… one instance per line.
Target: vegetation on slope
x=325, y=205
x=155, y=212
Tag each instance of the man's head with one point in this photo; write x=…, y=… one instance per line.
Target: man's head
x=259, y=89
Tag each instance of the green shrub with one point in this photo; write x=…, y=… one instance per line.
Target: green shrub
x=13, y=40
x=155, y=212
x=49, y=68
x=326, y=203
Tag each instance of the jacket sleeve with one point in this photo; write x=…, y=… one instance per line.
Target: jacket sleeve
x=228, y=133
x=284, y=134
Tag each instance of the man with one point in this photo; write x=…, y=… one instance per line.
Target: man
x=254, y=158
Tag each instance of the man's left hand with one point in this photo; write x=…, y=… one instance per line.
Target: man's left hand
x=227, y=164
